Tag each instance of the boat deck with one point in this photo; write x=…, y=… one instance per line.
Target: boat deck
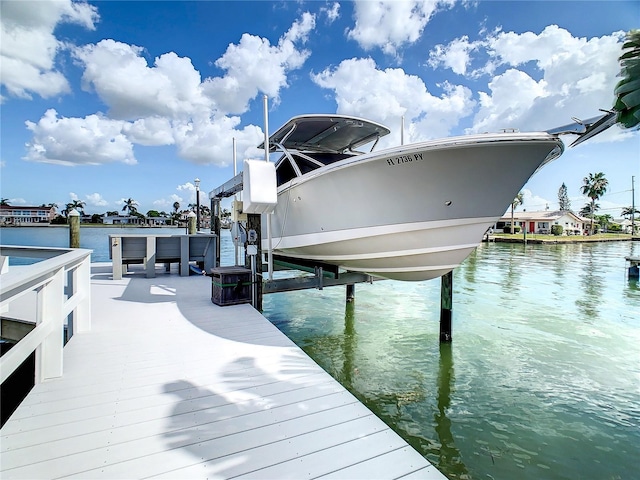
x=167, y=384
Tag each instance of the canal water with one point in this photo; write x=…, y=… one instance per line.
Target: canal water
x=541, y=381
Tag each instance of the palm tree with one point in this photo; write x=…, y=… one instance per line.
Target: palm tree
x=75, y=204
x=594, y=186
x=604, y=221
x=4, y=202
x=627, y=103
x=131, y=206
x=519, y=200
x=176, y=207
x=78, y=205
x=589, y=211
x=630, y=212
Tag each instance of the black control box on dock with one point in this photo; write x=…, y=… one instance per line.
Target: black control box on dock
x=230, y=285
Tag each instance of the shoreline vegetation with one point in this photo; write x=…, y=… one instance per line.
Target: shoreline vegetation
x=537, y=238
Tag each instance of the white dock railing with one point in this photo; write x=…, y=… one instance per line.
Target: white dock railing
x=62, y=286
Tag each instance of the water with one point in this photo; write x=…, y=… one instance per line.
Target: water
x=542, y=380
x=93, y=238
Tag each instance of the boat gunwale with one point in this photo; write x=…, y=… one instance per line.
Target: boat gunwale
x=462, y=141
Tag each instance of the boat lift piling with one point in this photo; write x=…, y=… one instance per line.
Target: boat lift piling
x=446, y=307
x=254, y=258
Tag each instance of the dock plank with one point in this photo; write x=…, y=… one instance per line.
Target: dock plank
x=168, y=384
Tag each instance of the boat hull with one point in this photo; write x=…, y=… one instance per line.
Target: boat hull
x=410, y=213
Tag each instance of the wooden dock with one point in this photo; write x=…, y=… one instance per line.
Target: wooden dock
x=167, y=384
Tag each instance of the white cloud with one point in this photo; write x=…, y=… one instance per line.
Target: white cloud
x=91, y=140
x=210, y=141
x=456, y=55
x=534, y=203
x=167, y=103
x=512, y=95
x=96, y=200
x=255, y=65
x=167, y=203
x=28, y=46
x=541, y=80
x=332, y=12
x=190, y=189
x=150, y=131
x=120, y=76
x=390, y=24
x=387, y=95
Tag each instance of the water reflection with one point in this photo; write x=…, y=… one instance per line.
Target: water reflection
x=470, y=267
x=395, y=407
x=513, y=271
x=450, y=458
x=345, y=376
x=591, y=283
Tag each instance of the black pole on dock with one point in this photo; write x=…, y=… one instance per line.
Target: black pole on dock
x=215, y=225
x=254, y=225
x=446, y=303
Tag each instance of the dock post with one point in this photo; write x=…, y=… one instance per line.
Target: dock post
x=191, y=223
x=74, y=229
x=351, y=292
x=446, y=302
x=254, y=224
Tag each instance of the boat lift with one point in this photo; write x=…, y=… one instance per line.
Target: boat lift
x=324, y=274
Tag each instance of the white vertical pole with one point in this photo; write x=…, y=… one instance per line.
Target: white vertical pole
x=402, y=131
x=266, y=159
x=235, y=199
x=633, y=205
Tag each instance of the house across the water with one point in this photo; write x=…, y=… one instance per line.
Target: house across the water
x=24, y=215
x=542, y=221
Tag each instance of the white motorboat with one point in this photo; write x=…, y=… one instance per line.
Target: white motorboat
x=412, y=212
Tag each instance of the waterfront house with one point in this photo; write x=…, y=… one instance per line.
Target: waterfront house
x=25, y=215
x=135, y=220
x=625, y=224
x=542, y=221
x=122, y=220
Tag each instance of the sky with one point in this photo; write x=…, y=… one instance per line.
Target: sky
x=103, y=101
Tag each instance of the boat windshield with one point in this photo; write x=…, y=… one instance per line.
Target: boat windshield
x=310, y=142
x=295, y=164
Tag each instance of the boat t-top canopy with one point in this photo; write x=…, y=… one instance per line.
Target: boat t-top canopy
x=325, y=133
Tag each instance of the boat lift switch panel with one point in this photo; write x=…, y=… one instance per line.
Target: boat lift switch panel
x=237, y=213
x=260, y=189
